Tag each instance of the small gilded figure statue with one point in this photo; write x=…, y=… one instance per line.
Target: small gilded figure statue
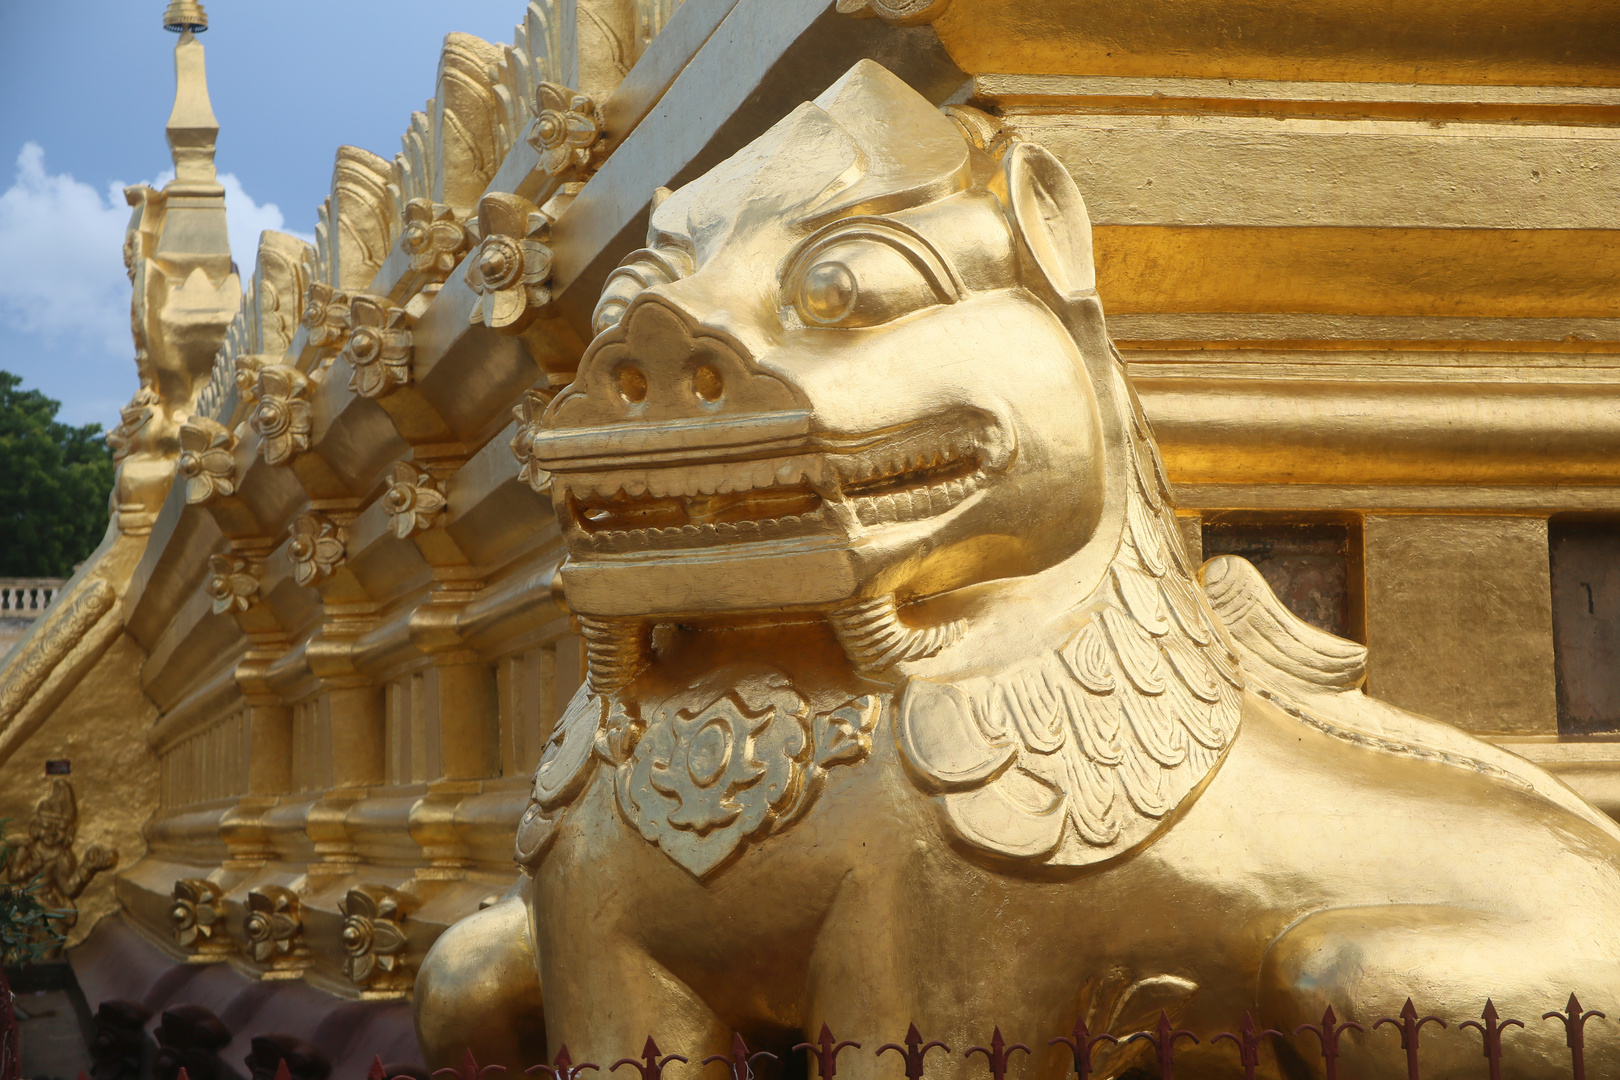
x=46, y=852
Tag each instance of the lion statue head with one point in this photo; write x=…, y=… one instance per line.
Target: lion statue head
x=860, y=375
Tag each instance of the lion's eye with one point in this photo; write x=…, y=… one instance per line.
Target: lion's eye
x=829, y=292
x=861, y=282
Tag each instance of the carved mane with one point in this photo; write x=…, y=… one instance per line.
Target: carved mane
x=1081, y=752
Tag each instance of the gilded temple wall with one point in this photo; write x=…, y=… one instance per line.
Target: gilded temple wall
x=1361, y=279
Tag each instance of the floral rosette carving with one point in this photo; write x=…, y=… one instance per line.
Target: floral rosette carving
x=315, y=549
x=248, y=367
x=273, y=923
x=433, y=238
x=282, y=413
x=413, y=500
x=326, y=315
x=528, y=413
x=373, y=939
x=511, y=270
x=567, y=132
x=230, y=585
x=378, y=348
x=207, y=460
x=195, y=914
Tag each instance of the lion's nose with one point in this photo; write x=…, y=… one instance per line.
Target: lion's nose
x=662, y=365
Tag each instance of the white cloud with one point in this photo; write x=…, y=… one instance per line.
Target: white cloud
x=63, y=271
x=246, y=219
x=62, y=277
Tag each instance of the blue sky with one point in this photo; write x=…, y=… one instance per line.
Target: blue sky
x=88, y=85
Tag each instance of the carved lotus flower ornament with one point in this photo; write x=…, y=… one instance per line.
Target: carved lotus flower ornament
x=511, y=270
x=247, y=378
x=230, y=585
x=326, y=314
x=528, y=417
x=433, y=238
x=281, y=415
x=206, y=460
x=413, y=501
x=378, y=348
x=273, y=922
x=314, y=550
x=567, y=131
x=372, y=937
x=194, y=915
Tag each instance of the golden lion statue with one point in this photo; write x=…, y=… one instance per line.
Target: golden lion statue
x=906, y=704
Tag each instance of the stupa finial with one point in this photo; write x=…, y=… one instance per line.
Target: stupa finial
x=185, y=15
x=192, y=129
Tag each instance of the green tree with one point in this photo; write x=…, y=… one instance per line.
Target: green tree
x=54, y=481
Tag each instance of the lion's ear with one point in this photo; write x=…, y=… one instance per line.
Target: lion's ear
x=1050, y=219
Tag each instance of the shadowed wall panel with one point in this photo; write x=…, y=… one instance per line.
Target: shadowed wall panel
x=1586, y=624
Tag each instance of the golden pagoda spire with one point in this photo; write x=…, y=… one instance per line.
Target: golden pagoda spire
x=192, y=128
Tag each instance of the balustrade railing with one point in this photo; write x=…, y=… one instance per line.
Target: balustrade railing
x=27, y=598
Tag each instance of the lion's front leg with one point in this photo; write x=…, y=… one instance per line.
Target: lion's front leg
x=606, y=994
x=905, y=943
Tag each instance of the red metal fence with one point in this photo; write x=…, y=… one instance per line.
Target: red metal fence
x=741, y=1063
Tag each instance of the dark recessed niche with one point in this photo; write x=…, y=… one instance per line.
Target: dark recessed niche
x=1313, y=567
x=58, y=767
x=1585, y=560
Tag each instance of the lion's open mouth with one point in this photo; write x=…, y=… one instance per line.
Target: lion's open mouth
x=918, y=473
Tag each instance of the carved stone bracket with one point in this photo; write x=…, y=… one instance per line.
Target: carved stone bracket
x=433, y=238
x=897, y=12
x=374, y=939
x=274, y=923
x=282, y=414
x=414, y=500
x=378, y=347
x=316, y=549
x=567, y=131
x=207, y=460
x=231, y=585
x=197, y=916
x=511, y=270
